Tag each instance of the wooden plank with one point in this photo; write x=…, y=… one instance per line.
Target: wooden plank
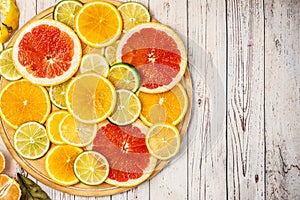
x=171, y=183
x=282, y=35
x=245, y=100
x=207, y=59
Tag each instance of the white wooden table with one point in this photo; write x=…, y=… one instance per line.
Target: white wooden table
x=244, y=138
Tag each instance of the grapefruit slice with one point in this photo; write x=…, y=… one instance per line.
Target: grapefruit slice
x=125, y=149
x=157, y=53
x=47, y=52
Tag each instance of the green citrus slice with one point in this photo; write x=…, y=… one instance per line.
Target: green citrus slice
x=91, y=168
x=66, y=10
x=57, y=95
x=31, y=140
x=7, y=66
x=127, y=109
x=163, y=141
x=124, y=76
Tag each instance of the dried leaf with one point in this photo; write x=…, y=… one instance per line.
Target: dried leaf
x=30, y=190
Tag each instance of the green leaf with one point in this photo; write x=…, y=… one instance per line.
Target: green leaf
x=30, y=190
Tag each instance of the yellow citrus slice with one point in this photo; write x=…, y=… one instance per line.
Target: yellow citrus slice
x=47, y=52
x=22, y=101
x=163, y=141
x=110, y=53
x=133, y=13
x=90, y=98
x=59, y=164
x=52, y=126
x=91, y=168
x=127, y=109
x=7, y=67
x=167, y=107
x=9, y=188
x=94, y=63
x=76, y=133
x=31, y=140
x=57, y=94
x=98, y=24
x=66, y=10
x=2, y=162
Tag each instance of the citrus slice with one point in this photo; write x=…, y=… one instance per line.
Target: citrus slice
x=133, y=13
x=66, y=10
x=124, y=76
x=91, y=168
x=76, y=133
x=110, y=53
x=163, y=141
x=127, y=109
x=98, y=24
x=157, y=53
x=7, y=67
x=167, y=107
x=22, y=101
x=31, y=140
x=125, y=149
x=94, y=63
x=59, y=164
x=52, y=126
x=47, y=52
x=92, y=50
x=2, y=162
x=57, y=94
x=90, y=98
x=9, y=188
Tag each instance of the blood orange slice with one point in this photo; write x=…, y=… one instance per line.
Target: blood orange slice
x=158, y=54
x=126, y=151
x=47, y=52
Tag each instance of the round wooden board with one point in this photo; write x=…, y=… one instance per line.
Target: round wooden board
x=36, y=167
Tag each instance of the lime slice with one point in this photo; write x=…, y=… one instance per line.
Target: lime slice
x=91, y=168
x=76, y=133
x=95, y=63
x=31, y=140
x=57, y=94
x=133, y=13
x=125, y=76
x=127, y=109
x=110, y=52
x=66, y=10
x=163, y=141
x=7, y=66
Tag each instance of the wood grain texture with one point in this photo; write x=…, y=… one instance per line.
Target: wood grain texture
x=282, y=33
x=245, y=90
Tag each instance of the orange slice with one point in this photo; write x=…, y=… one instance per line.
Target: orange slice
x=2, y=162
x=9, y=188
x=59, y=164
x=98, y=24
x=22, y=101
x=167, y=107
x=52, y=126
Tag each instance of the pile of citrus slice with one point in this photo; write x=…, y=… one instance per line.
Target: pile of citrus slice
x=99, y=94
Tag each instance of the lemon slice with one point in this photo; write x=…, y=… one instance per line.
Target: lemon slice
x=110, y=52
x=94, y=63
x=7, y=66
x=127, y=109
x=66, y=10
x=31, y=140
x=91, y=168
x=76, y=133
x=163, y=141
x=124, y=76
x=133, y=13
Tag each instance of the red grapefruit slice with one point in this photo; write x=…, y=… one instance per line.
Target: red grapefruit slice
x=47, y=52
x=125, y=149
x=158, y=54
